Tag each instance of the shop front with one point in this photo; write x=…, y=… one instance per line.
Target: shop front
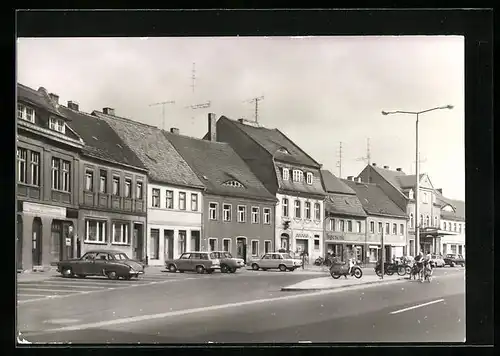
x=345, y=245
x=309, y=242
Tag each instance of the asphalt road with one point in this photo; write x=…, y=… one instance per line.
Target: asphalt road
x=251, y=308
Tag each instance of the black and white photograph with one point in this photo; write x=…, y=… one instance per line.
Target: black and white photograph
x=237, y=189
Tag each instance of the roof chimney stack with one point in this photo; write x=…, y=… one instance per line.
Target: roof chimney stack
x=359, y=180
x=73, y=105
x=108, y=111
x=399, y=169
x=174, y=130
x=386, y=167
x=374, y=164
x=350, y=177
x=241, y=121
x=212, y=127
x=440, y=190
x=55, y=98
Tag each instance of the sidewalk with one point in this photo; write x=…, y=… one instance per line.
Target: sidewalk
x=31, y=276
x=326, y=283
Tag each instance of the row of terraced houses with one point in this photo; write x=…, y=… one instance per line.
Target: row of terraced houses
x=92, y=180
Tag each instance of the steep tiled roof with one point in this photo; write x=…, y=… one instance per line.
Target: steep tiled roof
x=458, y=206
x=163, y=162
x=333, y=184
x=101, y=141
x=273, y=139
x=344, y=204
x=374, y=200
x=316, y=188
x=399, y=179
x=216, y=163
x=39, y=98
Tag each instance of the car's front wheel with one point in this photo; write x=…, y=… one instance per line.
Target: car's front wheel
x=200, y=269
x=282, y=268
x=67, y=272
x=255, y=267
x=225, y=269
x=172, y=268
x=112, y=275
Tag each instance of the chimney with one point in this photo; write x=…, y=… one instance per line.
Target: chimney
x=350, y=177
x=73, y=105
x=374, y=164
x=174, y=130
x=440, y=190
x=386, y=167
x=399, y=169
x=241, y=121
x=212, y=127
x=54, y=97
x=108, y=111
x=359, y=180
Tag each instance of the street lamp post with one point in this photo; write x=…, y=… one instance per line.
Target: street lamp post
x=417, y=175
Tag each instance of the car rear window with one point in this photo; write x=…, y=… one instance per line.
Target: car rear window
x=213, y=256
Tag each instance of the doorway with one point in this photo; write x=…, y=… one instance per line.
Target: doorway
x=241, y=248
x=285, y=242
x=195, y=240
x=56, y=242
x=138, y=242
x=36, y=241
x=69, y=243
x=168, y=235
x=302, y=245
x=19, y=244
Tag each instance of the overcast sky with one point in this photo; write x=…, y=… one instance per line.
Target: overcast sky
x=320, y=91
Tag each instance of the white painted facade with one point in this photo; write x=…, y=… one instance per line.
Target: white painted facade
x=455, y=242
x=175, y=224
x=300, y=229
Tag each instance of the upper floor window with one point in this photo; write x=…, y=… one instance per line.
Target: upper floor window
x=61, y=174
x=22, y=155
x=298, y=175
x=286, y=174
x=427, y=221
x=35, y=168
x=425, y=198
x=297, y=209
x=410, y=194
x=25, y=113
x=394, y=229
x=182, y=200
x=155, y=198
x=455, y=227
x=284, y=204
x=138, y=190
x=128, y=184
x=349, y=225
x=242, y=213
x=358, y=226
x=116, y=185
x=226, y=212
x=309, y=176
x=267, y=215
x=169, y=196
x=444, y=225
x=194, y=202
x=89, y=180
x=57, y=124
x=401, y=229
x=380, y=227
x=421, y=220
x=212, y=211
x=411, y=220
x=307, y=210
x=255, y=215
x=332, y=224
x=233, y=183
x=103, y=178
x=342, y=225
x=372, y=227
x=317, y=211
x=387, y=229
x=436, y=221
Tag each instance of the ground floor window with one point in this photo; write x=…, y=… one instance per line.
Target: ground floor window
x=155, y=244
x=335, y=250
x=460, y=249
x=226, y=245
x=212, y=244
x=267, y=246
x=358, y=253
x=412, y=247
x=255, y=248
x=444, y=249
x=121, y=233
x=316, y=242
x=454, y=249
x=95, y=231
x=182, y=241
x=374, y=252
x=56, y=237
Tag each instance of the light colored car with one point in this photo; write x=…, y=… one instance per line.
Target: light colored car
x=199, y=261
x=276, y=260
x=438, y=260
x=229, y=263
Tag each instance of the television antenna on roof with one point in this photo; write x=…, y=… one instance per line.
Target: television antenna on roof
x=256, y=101
x=163, y=110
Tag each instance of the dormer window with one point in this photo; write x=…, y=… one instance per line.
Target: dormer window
x=233, y=183
x=25, y=113
x=410, y=194
x=283, y=150
x=298, y=175
x=309, y=178
x=57, y=124
x=286, y=174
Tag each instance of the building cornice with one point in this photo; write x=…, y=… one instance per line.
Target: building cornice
x=52, y=135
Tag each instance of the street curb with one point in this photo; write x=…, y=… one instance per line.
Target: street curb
x=291, y=289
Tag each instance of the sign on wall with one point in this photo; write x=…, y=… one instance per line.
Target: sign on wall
x=41, y=209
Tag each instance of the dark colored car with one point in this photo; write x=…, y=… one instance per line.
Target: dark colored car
x=198, y=261
x=228, y=263
x=454, y=260
x=108, y=263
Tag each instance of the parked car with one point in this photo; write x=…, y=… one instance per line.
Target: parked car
x=110, y=263
x=438, y=260
x=228, y=263
x=276, y=260
x=454, y=260
x=199, y=261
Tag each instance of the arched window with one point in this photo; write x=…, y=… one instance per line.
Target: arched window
x=444, y=225
x=421, y=220
x=411, y=220
x=436, y=221
x=427, y=221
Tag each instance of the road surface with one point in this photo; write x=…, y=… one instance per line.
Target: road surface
x=251, y=308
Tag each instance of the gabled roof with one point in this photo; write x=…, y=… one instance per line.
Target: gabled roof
x=316, y=188
x=344, y=204
x=163, y=162
x=333, y=184
x=39, y=98
x=101, y=141
x=458, y=206
x=374, y=200
x=397, y=178
x=272, y=140
x=216, y=163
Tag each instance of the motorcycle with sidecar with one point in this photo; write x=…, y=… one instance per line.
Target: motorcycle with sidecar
x=339, y=269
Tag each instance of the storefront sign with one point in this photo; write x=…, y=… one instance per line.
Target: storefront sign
x=330, y=236
x=302, y=235
x=68, y=241
x=40, y=209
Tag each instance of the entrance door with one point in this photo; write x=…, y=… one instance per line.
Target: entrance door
x=241, y=248
x=138, y=237
x=68, y=242
x=168, y=244
x=36, y=239
x=19, y=244
x=302, y=245
x=195, y=240
x=56, y=242
x=285, y=242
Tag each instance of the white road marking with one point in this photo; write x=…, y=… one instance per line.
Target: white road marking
x=59, y=284
x=134, y=319
x=31, y=295
x=46, y=290
x=417, y=306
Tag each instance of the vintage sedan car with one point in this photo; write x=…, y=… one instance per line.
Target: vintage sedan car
x=438, y=260
x=453, y=260
x=228, y=263
x=276, y=260
x=199, y=261
x=108, y=263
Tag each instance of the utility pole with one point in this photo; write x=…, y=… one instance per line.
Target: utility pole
x=420, y=161
x=339, y=162
x=256, y=101
x=163, y=110
x=383, y=252
x=368, y=158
